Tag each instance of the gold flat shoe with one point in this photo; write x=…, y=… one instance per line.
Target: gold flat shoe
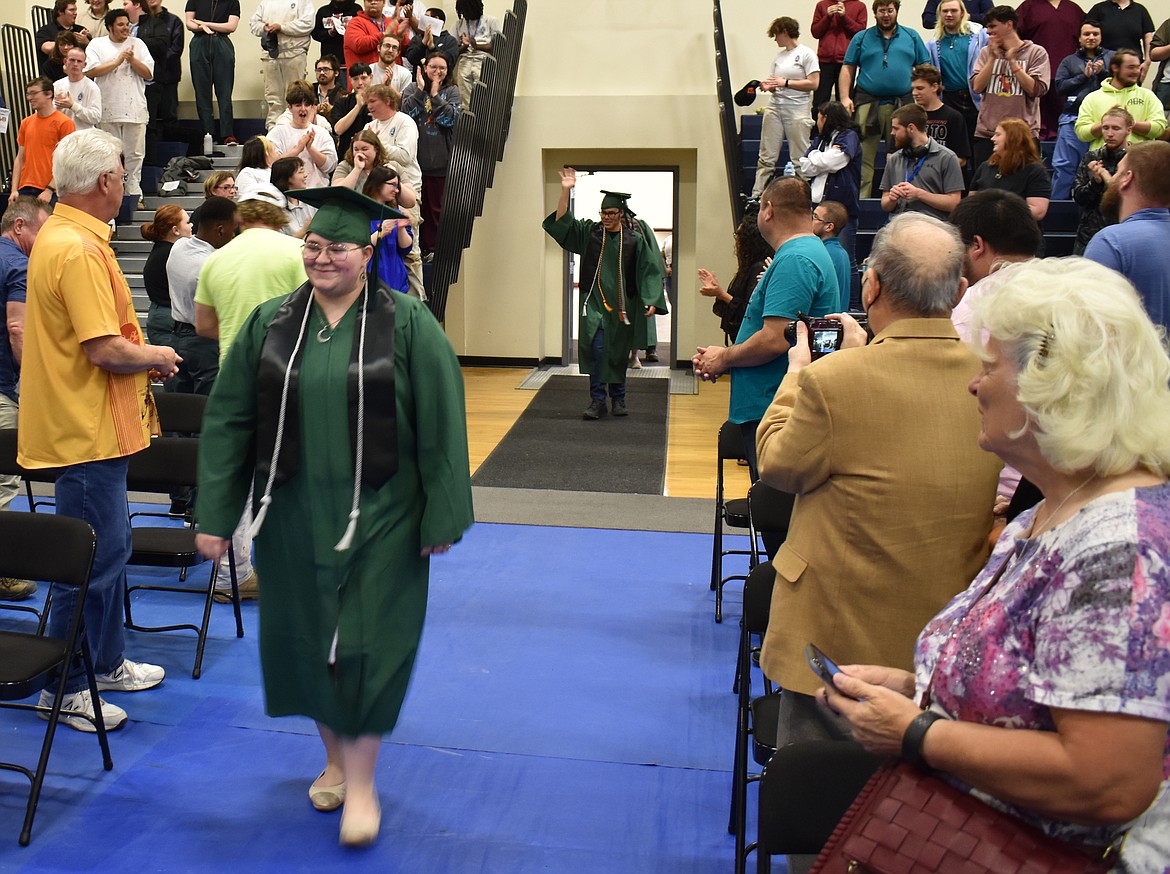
x=361, y=834
x=327, y=798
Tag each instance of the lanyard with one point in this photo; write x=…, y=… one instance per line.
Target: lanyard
x=911, y=175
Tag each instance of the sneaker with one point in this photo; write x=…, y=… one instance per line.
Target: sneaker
x=595, y=410
x=619, y=407
x=16, y=590
x=81, y=702
x=651, y=356
x=231, y=141
x=130, y=677
x=249, y=590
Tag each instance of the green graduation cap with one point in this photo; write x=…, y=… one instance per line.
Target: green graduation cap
x=344, y=215
x=616, y=199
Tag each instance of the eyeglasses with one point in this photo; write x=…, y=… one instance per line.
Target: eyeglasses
x=817, y=218
x=611, y=213
x=393, y=182
x=325, y=70
x=227, y=186
x=335, y=250
x=123, y=176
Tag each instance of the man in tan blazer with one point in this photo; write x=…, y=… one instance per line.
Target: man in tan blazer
x=895, y=496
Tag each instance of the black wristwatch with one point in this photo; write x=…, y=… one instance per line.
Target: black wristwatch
x=915, y=735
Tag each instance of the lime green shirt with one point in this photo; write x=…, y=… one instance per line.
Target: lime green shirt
x=256, y=266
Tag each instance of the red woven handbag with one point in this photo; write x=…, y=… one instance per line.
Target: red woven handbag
x=906, y=821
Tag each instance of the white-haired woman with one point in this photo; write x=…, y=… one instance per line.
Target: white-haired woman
x=1042, y=687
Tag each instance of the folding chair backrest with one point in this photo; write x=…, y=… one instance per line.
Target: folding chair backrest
x=730, y=442
x=757, y=597
x=8, y=465
x=179, y=412
x=770, y=509
x=167, y=463
x=806, y=789
x=55, y=549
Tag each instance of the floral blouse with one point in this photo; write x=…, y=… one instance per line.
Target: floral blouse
x=1078, y=620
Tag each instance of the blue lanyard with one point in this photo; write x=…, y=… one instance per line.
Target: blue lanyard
x=911, y=175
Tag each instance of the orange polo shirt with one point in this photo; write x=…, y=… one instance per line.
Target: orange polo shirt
x=72, y=411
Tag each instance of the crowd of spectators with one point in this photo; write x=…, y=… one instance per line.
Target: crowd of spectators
x=118, y=68
x=995, y=82
x=965, y=119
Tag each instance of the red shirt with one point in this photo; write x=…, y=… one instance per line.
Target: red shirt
x=833, y=32
x=362, y=36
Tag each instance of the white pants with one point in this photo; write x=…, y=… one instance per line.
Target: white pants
x=278, y=74
x=242, y=550
x=790, y=122
x=467, y=72
x=133, y=137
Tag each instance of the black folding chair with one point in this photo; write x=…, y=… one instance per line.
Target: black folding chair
x=9, y=467
x=732, y=513
x=804, y=791
x=167, y=463
x=757, y=606
x=58, y=550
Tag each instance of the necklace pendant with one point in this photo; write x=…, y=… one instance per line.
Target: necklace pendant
x=322, y=337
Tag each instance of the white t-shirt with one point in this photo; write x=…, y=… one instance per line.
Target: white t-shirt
x=399, y=135
x=285, y=137
x=794, y=63
x=123, y=90
x=398, y=79
x=86, y=111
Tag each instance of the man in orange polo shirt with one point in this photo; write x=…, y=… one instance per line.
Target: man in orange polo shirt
x=32, y=171
x=86, y=403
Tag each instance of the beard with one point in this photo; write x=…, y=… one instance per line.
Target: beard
x=1111, y=203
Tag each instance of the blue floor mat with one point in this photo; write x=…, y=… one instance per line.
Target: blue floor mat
x=558, y=667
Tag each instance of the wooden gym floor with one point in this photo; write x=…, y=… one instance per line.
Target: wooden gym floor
x=494, y=403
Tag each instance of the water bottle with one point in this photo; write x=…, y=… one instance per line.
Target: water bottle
x=207, y=144
x=789, y=169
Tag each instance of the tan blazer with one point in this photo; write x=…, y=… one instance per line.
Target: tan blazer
x=894, y=498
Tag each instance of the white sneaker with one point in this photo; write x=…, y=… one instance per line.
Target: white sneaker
x=81, y=702
x=130, y=677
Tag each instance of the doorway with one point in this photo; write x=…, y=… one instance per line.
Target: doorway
x=654, y=199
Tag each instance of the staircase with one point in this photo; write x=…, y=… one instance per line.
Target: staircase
x=128, y=243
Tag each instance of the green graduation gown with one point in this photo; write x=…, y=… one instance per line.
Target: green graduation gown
x=374, y=594
x=642, y=289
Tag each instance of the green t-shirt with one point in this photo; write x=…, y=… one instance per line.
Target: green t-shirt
x=256, y=266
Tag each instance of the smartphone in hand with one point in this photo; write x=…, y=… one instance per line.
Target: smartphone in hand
x=823, y=666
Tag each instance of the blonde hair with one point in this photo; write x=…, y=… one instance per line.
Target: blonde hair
x=1092, y=370
x=940, y=29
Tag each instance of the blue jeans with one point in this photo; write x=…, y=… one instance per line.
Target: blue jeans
x=1066, y=157
x=96, y=493
x=617, y=390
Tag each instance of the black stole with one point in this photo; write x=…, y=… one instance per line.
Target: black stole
x=380, y=437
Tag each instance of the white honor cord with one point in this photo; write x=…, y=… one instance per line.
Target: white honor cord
x=355, y=510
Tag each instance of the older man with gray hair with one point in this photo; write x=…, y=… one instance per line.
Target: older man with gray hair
x=86, y=404
x=879, y=443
